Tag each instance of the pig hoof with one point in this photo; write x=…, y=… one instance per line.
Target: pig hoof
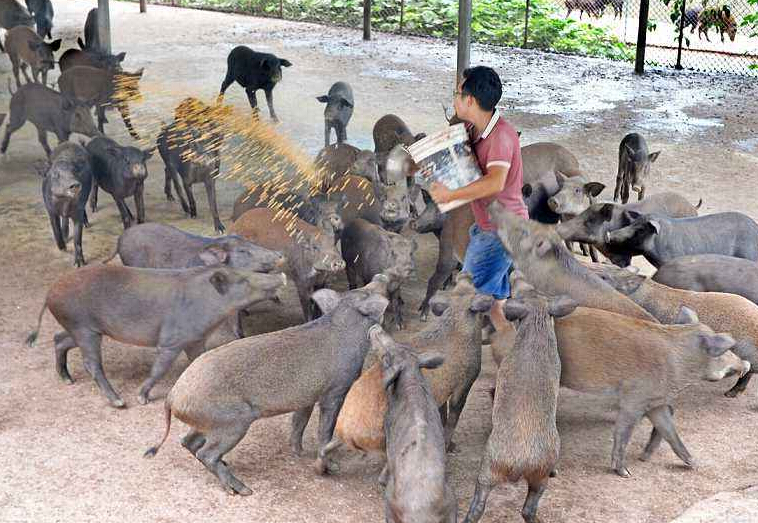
x=732, y=393
x=324, y=466
x=297, y=450
x=623, y=472
x=68, y=380
x=690, y=464
x=645, y=456
x=452, y=448
x=118, y=403
x=553, y=473
x=143, y=399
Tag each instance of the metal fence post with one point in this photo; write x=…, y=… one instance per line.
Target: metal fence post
x=142, y=6
x=526, y=24
x=367, y=19
x=281, y=8
x=104, y=26
x=464, y=37
x=681, y=36
x=639, y=63
x=402, y=15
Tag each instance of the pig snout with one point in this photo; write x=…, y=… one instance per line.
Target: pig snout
x=636, y=188
x=392, y=212
x=554, y=205
x=67, y=190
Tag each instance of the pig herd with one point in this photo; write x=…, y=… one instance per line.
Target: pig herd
x=593, y=327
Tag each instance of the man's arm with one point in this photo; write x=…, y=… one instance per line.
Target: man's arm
x=488, y=185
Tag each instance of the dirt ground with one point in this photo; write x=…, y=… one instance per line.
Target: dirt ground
x=67, y=456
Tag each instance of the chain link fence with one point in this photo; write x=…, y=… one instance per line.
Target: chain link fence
x=719, y=36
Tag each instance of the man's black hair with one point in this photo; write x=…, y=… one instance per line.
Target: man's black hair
x=484, y=85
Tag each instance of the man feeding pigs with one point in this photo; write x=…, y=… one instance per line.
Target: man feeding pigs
x=496, y=146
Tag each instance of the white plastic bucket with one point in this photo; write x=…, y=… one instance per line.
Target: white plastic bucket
x=446, y=157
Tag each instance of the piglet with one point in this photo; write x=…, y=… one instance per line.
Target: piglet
x=254, y=71
x=634, y=167
x=338, y=111
x=24, y=45
x=120, y=171
x=415, y=486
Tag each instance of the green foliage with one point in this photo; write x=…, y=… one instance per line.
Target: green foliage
x=751, y=20
x=499, y=22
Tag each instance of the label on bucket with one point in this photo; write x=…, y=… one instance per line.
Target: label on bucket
x=448, y=158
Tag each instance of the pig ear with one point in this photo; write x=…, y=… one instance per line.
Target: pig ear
x=629, y=216
x=686, y=316
x=560, y=178
x=515, y=309
x=481, y=303
x=81, y=44
x=594, y=188
x=120, y=57
x=220, y=282
x=716, y=344
x=606, y=211
x=526, y=190
x=326, y=299
x=430, y=360
x=55, y=45
x=285, y=63
x=373, y=306
x=654, y=226
x=323, y=99
x=543, y=247
x=561, y=306
x=653, y=156
x=390, y=375
x=213, y=255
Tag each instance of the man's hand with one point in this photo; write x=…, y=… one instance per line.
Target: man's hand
x=440, y=193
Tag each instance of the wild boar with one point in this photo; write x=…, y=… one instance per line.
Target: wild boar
x=74, y=57
x=384, y=205
x=24, y=46
x=337, y=160
x=13, y=14
x=224, y=391
x=173, y=310
x=416, y=487
x=634, y=167
x=310, y=251
x=524, y=441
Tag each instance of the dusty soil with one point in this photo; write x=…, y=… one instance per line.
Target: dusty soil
x=67, y=456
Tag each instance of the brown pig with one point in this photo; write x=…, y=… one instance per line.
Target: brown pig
x=23, y=45
x=524, y=442
x=646, y=365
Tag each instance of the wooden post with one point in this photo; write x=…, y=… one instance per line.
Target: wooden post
x=367, y=19
x=464, y=38
x=639, y=63
x=142, y=6
x=104, y=25
x=281, y=9
x=526, y=24
x=681, y=36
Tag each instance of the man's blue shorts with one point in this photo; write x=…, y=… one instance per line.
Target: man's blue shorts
x=488, y=263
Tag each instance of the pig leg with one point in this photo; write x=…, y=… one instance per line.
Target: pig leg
x=664, y=423
x=529, y=510
x=210, y=190
x=299, y=422
x=55, y=224
x=193, y=441
x=78, y=251
x=329, y=408
x=455, y=406
x=63, y=343
x=139, y=202
x=100, y=110
x=16, y=121
x=93, y=197
x=625, y=421
x=190, y=198
x=270, y=102
x=89, y=342
x=619, y=179
x=126, y=214
x=64, y=228
x=166, y=356
x=44, y=77
x=228, y=80
x=42, y=137
x=167, y=185
x=484, y=485
x=236, y=421
x=15, y=67
x=641, y=194
x=251, y=98
x=654, y=442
